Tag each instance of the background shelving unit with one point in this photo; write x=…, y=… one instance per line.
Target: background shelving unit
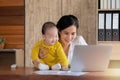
x=115, y=56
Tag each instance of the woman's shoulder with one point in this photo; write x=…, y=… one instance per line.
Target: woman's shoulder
x=79, y=37
x=79, y=40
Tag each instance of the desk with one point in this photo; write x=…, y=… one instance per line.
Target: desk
x=27, y=74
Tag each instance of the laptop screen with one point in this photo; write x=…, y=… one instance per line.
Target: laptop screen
x=90, y=58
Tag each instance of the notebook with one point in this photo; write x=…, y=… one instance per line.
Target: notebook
x=90, y=58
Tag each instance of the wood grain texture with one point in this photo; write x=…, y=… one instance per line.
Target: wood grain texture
x=14, y=39
x=12, y=14
x=11, y=20
x=11, y=2
x=86, y=12
x=115, y=48
x=20, y=73
x=12, y=10
x=16, y=46
x=11, y=30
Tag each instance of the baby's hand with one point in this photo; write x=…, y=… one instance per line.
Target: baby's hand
x=65, y=68
x=56, y=67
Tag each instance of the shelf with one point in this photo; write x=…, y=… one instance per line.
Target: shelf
x=115, y=48
x=109, y=10
x=109, y=42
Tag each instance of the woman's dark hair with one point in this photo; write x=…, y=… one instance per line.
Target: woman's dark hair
x=47, y=25
x=66, y=21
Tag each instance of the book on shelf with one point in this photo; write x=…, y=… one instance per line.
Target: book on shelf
x=108, y=27
x=115, y=27
x=101, y=30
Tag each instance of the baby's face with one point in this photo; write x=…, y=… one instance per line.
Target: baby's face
x=51, y=36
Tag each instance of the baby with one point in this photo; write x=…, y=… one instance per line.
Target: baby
x=56, y=58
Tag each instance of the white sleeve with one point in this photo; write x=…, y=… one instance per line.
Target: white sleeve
x=81, y=40
x=78, y=41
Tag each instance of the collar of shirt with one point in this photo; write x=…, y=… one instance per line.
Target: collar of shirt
x=47, y=46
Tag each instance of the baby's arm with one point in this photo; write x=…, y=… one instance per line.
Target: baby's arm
x=36, y=63
x=59, y=67
x=40, y=65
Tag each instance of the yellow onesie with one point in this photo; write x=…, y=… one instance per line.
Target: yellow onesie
x=55, y=54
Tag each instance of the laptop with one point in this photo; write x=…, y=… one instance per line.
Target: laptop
x=90, y=58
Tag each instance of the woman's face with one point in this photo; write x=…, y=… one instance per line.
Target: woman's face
x=67, y=35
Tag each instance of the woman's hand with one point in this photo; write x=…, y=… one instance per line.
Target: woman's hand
x=42, y=53
x=65, y=68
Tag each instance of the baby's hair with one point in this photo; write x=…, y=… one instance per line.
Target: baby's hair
x=47, y=25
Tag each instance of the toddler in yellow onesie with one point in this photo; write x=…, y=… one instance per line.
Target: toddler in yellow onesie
x=56, y=58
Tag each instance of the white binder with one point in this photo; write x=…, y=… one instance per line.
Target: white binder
x=101, y=20
x=109, y=4
x=105, y=4
x=108, y=20
x=101, y=4
x=115, y=20
x=113, y=4
x=108, y=27
x=101, y=30
x=115, y=27
x=117, y=4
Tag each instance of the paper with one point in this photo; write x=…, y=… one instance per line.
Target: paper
x=51, y=72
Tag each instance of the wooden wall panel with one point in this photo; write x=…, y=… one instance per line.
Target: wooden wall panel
x=11, y=30
x=88, y=20
x=12, y=14
x=11, y=20
x=14, y=39
x=12, y=10
x=11, y=2
x=115, y=48
x=86, y=11
x=11, y=46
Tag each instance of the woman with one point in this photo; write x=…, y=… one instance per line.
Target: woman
x=67, y=27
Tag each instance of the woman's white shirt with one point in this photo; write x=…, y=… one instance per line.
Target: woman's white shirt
x=79, y=40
